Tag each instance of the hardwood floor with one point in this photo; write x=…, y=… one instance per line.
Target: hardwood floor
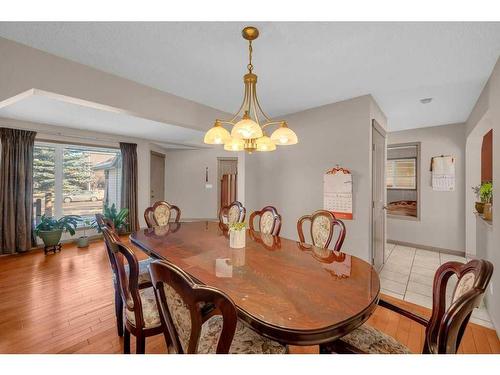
x=64, y=303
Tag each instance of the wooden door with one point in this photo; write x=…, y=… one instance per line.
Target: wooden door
x=157, y=177
x=378, y=195
x=227, y=181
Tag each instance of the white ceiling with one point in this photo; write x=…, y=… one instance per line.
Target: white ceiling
x=48, y=108
x=300, y=65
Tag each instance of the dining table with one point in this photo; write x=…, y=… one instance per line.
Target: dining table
x=288, y=291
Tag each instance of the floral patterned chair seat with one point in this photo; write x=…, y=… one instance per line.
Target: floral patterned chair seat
x=149, y=309
x=366, y=339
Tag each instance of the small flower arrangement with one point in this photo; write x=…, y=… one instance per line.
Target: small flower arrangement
x=237, y=235
x=235, y=227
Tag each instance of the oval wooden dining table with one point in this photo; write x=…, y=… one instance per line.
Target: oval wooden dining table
x=291, y=292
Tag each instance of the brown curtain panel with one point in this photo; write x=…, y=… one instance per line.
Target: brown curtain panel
x=129, y=183
x=16, y=190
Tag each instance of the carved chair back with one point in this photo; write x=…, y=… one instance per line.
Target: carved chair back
x=269, y=220
x=323, y=225
x=128, y=282
x=447, y=325
x=160, y=214
x=234, y=213
x=181, y=304
x=104, y=222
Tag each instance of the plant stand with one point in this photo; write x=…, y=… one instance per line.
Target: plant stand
x=53, y=248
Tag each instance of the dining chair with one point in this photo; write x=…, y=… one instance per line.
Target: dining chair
x=142, y=318
x=234, y=213
x=269, y=220
x=323, y=225
x=193, y=329
x=144, y=276
x=446, y=326
x=160, y=214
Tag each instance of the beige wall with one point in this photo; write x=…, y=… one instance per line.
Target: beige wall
x=441, y=222
x=486, y=241
x=291, y=178
x=23, y=68
x=185, y=180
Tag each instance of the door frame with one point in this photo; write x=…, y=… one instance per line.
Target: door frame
x=164, y=156
x=379, y=129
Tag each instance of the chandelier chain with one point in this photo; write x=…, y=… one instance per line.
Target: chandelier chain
x=250, y=50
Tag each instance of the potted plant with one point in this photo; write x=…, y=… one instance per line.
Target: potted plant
x=50, y=230
x=119, y=218
x=479, y=205
x=237, y=235
x=83, y=241
x=486, y=192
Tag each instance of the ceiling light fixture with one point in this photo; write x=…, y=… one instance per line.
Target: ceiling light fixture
x=247, y=132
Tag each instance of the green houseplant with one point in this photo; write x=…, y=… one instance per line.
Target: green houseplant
x=119, y=218
x=50, y=229
x=83, y=241
x=479, y=205
x=486, y=193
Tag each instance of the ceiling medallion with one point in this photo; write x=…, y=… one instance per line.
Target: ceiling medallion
x=249, y=123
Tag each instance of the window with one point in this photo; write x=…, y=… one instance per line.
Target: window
x=401, y=173
x=75, y=180
x=402, y=180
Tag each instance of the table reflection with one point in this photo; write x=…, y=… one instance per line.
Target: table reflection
x=269, y=241
x=336, y=263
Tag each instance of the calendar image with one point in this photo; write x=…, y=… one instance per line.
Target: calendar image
x=337, y=192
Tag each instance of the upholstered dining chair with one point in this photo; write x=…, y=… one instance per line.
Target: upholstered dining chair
x=193, y=329
x=446, y=326
x=323, y=225
x=234, y=213
x=144, y=276
x=160, y=214
x=142, y=318
x=269, y=220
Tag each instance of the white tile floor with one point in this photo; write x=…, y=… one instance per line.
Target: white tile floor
x=408, y=274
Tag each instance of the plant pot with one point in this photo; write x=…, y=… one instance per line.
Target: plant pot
x=479, y=207
x=237, y=239
x=83, y=241
x=50, y=237
x=488, y=212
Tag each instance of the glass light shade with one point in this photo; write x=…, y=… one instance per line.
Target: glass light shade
x=217, y=135
x=234, y=144
x=246, y=129
x=265, y=144
x=284, y=136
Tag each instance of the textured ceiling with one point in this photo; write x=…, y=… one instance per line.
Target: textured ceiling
x=300, y=65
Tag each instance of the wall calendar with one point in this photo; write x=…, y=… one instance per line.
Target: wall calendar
x=337, y=192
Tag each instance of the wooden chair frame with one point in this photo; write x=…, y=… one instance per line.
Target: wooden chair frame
x=445, y=328
x=149, y=213
x=129, y=291
x=224, y=211
x=333, y=222
x=275, y=230
x=195, y=297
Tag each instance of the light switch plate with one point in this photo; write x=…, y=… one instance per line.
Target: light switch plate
x=208, y=186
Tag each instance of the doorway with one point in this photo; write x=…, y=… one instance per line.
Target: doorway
x=378, y=194
x=157, y=177
x=227, y=181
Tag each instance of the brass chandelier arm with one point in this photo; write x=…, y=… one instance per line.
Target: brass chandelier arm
x=245, y=99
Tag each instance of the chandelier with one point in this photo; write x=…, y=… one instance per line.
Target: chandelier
x=249, y=123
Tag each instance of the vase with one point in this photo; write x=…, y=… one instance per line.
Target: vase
x=50, y=237
x=479, y=207
x=237, y=239
x=83, y=241
x=487, y=212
